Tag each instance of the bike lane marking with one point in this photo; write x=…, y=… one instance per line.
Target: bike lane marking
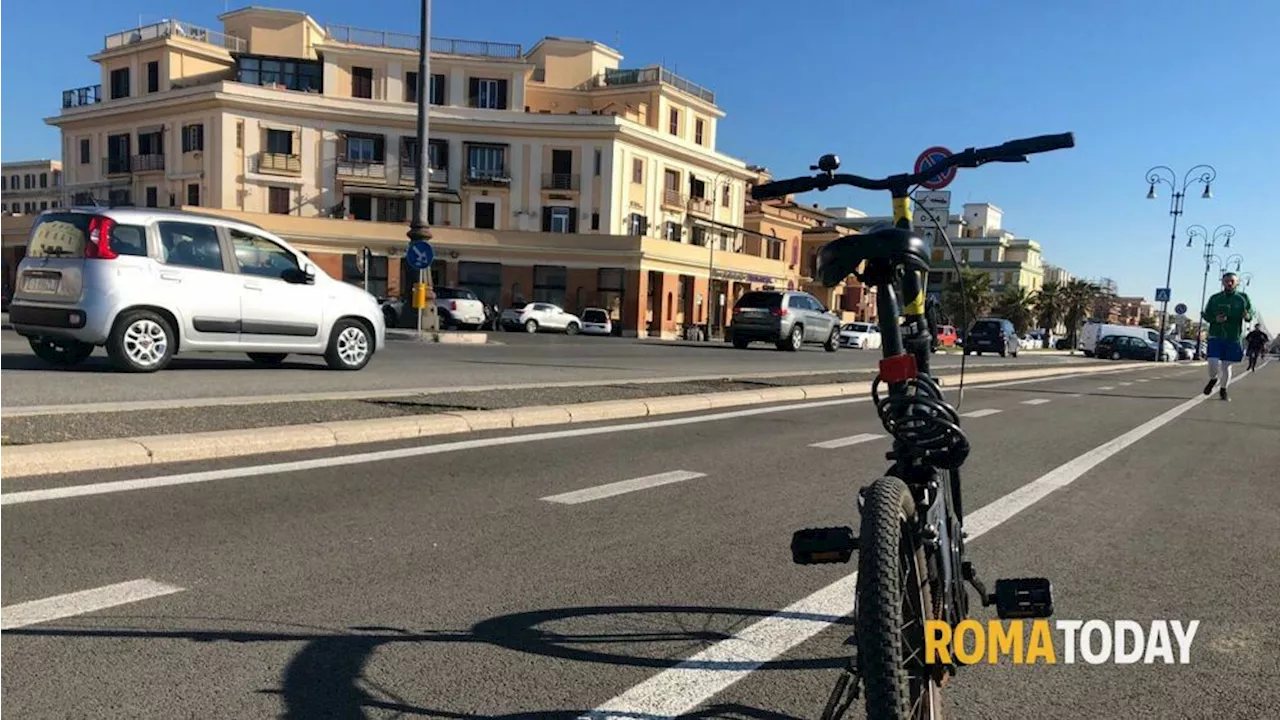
x=622, y=487
x=84, y=601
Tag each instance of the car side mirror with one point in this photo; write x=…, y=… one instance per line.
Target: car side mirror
x=299, y=276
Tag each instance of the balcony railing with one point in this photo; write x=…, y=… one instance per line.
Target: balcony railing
x=476, y=176
x=409, y=171
x=147, y=163
x=673, y=198
x=362, y=168
x=279, y=163
x=174, y=28
x=561, y=181
x=77, y=97
x=701, y=205
x=117, y=165
x=539, y=75
x=644, y=76
x=405, y=41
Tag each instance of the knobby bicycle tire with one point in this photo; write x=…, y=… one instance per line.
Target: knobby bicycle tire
x=893, y=601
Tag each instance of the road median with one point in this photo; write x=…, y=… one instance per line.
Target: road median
x=36, y=459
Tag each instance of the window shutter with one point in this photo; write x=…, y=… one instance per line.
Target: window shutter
x=546, y=219
x=644, y=225
x=295, y=142
x=502, y=94
x=473, y=95
x=573, y=220
x=342, y=147
x=380, y=148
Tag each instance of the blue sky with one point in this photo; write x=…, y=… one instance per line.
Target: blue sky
x=1140, y=82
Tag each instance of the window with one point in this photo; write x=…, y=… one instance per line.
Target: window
x=637, y=224
x=726, y=194
x=13, y=182
x=362, y=82
x=637, y=171
x=486, y=162
x=609, y=284
x=364, y=149
x=437, y=90
x=411, y=87
x=774, y=247
x=549, y=282
x=559, y=219
x=297, y=75
x=193, y=194
x=595, y=221
x=438, y=154
x=85, y=151
x=152, y=195
x=488, y=93
x=128, y=240
x=483, y=279
x=598, y=162
x=27, y=181
x=192, y=138
x=698, y=236
x=153, y=76
x=280, y=142
x=119, y=83
x=44, y=180
x=239, y=134
x=393, y=210
x=672, y=231
x=190, y=245
x=44, y=205
x=485, y=216
x=697, y=131
x=673, y=124
x=259, y=256
x=151, y=143
x=278, y=200
x=671, y=181
x=360, y=207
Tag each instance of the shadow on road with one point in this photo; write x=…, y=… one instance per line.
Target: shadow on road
x=100, y=364
x=327, y=677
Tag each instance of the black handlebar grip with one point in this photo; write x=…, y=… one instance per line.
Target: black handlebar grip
x=781, y=188
x=1039, y=144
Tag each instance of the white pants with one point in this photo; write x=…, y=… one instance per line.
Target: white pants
x=1220, y=370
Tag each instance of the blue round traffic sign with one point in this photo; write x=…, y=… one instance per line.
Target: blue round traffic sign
x=1180, y=308
x=928, y=159
x=420, y=255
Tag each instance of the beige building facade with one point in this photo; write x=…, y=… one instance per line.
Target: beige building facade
x=30, y=186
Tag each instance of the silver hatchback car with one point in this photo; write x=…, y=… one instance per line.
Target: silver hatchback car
x=148, y=283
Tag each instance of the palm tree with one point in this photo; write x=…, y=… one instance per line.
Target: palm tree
x=1016, y=304
x=1079, y=297
x=1050, y=307
x=969, y=298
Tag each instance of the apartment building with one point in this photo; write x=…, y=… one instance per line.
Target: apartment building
x=555, y=174
x=29, y=186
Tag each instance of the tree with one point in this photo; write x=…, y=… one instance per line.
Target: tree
x=1050, y=307
x=969, y=298
x=1148, y=322
x=1078, y=300
x=1016, y=304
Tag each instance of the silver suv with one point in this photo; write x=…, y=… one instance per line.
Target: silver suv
x=787, y=318
x=148, y=283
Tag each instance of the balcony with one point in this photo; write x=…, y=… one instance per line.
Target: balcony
x=476, y=176
x=147, y=163
x=177, y=29
x=673, y=199
x=404, y=41
x=79, y=97
x=561, y=181
x=409, y=172
x=702, y=205
x=272, y=163
x=362, y=168
x=117, y=165
x=649, y=75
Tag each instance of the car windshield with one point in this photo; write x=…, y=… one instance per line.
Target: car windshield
x=857, y=327
x=762, y=300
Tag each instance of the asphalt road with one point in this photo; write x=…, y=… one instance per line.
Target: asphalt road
x=410, y=365
x=498, y=579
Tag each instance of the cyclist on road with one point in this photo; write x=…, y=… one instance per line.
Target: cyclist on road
x=1227, y=312
x=1257, y=343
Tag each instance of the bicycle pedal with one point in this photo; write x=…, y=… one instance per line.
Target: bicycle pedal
x=1024, y=598
x=817, y=546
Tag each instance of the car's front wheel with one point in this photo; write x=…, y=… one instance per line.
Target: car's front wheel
x=350, y=345
x=571, y=329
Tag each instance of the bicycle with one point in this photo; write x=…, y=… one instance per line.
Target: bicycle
x=912, y=565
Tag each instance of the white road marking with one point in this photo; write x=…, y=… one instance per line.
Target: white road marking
x=1036, y=401
x=981, y=413
x=1126, y=384
x=1074, y=395
x=847, y=441
x=622, y=487
x=248, y=471
x=1147, y=380
x=1106, y=387
x=683, y=688
x=79, y=603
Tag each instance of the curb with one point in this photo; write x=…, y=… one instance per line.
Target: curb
x=444, y=338
x=81, y=455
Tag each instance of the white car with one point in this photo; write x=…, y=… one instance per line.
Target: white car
x=860, y=335
x=149, y=283
x=458, y=308
x=539, y=317
x=595, y=321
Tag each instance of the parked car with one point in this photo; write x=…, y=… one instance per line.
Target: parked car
x=148, y=283
x=539, y=317
x=1094, y=331
x=595, y=321
x=787, y=318
x=458, y=308
x=1124, y=347
x=947, y=336
x=860, y=335
x=992, y=335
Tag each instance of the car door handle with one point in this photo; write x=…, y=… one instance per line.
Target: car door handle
x=252, y=286
x=176, y=277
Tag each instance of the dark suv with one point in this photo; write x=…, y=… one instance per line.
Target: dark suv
x=789, y=319
x=992, y=335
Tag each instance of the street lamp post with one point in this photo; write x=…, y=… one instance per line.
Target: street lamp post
x=1163, y=174
x=418, y=227
x=1236, y=260
x=1246, y=278
x=1225, y=232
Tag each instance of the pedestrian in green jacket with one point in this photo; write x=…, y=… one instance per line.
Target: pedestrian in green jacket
x=1227, y=312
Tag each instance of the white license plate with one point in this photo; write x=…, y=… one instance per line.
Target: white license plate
x=47, y=284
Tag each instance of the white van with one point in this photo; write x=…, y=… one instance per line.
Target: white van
x=1094, y=331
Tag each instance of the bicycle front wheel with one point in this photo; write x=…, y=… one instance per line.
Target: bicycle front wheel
x=893, y=602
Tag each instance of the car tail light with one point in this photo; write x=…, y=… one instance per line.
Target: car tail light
x=779, y=312
x=98, y=245
x=453, y=305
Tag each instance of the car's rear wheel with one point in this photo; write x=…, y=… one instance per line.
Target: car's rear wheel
x=741, y=343
x=794, y=341
x=268, y=358
x=63, y=353
x=1115, y=356
x=350, y=345
x=142, y=341
x=531, y=326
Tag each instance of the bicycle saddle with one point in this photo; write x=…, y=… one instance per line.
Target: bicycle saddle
x=841, y=257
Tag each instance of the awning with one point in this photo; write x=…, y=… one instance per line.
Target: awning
x=716, y=224
x=381, y=189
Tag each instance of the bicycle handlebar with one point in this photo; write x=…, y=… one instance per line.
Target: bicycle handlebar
x=1012, y=151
